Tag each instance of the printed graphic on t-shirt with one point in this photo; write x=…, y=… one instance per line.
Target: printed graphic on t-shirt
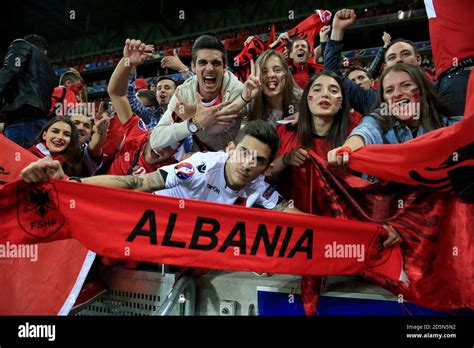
x=184, y=170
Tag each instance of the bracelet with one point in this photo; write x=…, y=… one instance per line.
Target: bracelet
x=283, y=159
x=74, y=178
x=343, y=150
x=184, y=70
x=247, y=101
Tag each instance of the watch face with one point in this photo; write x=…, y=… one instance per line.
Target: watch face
x=193, y=128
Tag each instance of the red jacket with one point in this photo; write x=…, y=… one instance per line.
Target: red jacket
x=302, y=73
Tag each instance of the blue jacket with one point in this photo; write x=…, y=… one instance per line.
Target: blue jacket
x=360, y=99
x=372, y=134
x=151, y=116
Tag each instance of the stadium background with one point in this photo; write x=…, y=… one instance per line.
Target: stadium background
x=88, y=35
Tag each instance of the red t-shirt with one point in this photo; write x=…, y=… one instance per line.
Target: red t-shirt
x=451, y=30
x=302, y=72
x=296, y=183
x=136, y=136
x=69, y=100
x=354, y=118
x=115, y=136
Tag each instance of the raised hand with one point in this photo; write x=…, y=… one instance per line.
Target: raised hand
x=101, y=124
x=184, y=109
x=135, y=52
x=249, y=40
x=343, y=19
x=324, y=33
x=283, y=36
x=386, y=38
x=173, y=62
x=253, y=85
x=214, y=115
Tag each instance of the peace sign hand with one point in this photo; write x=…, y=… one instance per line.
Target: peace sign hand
x=253, y=85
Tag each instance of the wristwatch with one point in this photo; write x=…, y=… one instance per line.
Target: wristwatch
x=193, y=126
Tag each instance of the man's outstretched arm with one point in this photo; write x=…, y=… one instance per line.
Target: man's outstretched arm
x=45, y=168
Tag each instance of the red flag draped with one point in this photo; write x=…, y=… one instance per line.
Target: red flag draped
x=436, y=229
x=58, y=272
x=272, y=36
x=436, y=225
x=307, y=29
x=442, y=160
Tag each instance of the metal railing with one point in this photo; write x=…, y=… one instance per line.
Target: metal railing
x=183, y=292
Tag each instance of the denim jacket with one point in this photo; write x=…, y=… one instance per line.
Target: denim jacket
x=371, y=132
x=150, y=115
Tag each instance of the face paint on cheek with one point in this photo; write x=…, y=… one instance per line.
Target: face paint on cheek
x=310, y=97
x=416, y=94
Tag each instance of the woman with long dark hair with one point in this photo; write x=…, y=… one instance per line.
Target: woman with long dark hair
x=323, y=123
x=59, y=140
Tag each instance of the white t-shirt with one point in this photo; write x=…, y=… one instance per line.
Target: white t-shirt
x=201, y=177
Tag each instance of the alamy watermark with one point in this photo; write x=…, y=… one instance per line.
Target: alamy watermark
x=19, y=251
x=345, y=251
x=401, y=110
x=69, y=109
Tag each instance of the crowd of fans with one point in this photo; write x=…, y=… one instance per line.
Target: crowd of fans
x=107, y=59
x=283, y=106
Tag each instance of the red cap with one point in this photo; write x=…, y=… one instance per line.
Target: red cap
x=141, y=84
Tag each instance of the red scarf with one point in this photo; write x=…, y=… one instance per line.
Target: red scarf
x=41, y=151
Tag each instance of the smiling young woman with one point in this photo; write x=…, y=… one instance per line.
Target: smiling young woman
x=59, y=140
x=279, y=95
x=323, y=124
x=407, y=107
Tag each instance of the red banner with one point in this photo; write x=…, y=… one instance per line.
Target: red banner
x=442, y=160
x=143, y=227
x=57, y=269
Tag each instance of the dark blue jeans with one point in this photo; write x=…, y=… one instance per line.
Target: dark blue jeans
x=24, y=132
x=453, y=89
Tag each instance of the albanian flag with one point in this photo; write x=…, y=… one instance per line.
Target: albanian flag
x=428, y=197
x=307, y=29
x=58, y=271
x=242, y=61
x=436, y=229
